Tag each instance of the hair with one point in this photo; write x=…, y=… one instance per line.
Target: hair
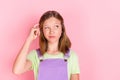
x=64, y=42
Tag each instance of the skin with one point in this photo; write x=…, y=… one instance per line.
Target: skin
x=51, y=27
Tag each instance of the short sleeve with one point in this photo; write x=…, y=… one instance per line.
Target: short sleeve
x=75, y=68
x=32, y=57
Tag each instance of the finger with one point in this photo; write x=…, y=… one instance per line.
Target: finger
x=36, y=25
x=35, y=31
x=38, y=32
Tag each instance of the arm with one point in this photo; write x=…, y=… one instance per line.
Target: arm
x=75, y=77
x=21, y=64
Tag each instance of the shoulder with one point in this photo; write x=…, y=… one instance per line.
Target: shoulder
x=32, y=54
x=73, y=54
x=73, y=57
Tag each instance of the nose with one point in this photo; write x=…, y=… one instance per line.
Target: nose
x=51, y=30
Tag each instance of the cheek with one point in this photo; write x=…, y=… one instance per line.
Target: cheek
x=59, y=33
x=45, y=33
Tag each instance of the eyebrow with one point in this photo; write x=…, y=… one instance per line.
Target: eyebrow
x=44, y=25
x=54, y=24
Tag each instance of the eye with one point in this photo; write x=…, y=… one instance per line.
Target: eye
x=46, y=27
x=56, y=26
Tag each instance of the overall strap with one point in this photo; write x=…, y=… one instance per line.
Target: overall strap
x=67, y=55
x=40, y=56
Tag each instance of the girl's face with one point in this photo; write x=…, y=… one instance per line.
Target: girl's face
x=52, y=29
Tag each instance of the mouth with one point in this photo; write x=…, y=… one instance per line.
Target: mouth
x=51, y=36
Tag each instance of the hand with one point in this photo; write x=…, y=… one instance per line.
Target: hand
x=34, y=33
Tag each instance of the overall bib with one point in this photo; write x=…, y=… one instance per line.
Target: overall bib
x=53, y=69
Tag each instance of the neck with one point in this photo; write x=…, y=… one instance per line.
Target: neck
x=52, y=47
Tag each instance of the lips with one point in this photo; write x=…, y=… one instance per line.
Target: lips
x=51, y=36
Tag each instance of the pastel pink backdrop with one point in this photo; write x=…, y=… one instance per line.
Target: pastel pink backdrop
x=92, y=25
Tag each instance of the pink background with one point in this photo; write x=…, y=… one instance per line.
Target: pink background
x=92, y=25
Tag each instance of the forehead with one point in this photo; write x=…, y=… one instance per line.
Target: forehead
x=52, y=20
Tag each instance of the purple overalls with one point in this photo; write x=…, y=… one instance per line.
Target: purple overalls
x=53, y=69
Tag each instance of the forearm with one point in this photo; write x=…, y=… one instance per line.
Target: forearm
x=21, y=57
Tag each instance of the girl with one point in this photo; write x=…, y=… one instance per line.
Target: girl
x=54, y=60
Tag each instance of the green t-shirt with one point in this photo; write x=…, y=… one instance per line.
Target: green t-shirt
x=73, y=64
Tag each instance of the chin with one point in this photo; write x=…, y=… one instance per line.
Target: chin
x=52, y=41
